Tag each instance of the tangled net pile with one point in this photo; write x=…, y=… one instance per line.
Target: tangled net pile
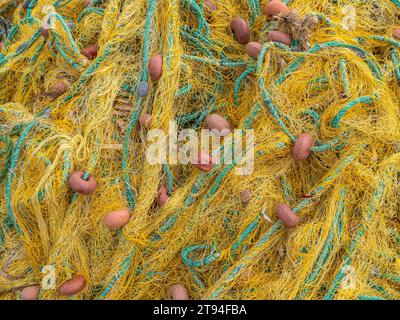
x=337, y=82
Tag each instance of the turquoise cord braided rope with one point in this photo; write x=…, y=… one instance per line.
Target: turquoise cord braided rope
x=277, y=226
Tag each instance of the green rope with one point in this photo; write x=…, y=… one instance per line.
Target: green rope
x=13, y=164
x=99, y=11
x=169, y=179
x=131, y=124
x=267, y=99
x=378, y=194
x=294, y=66
x=345, y=79
x=277, y=226
x=6, y=153
x=324, y=256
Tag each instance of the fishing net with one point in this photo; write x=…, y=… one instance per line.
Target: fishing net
x=218, y=234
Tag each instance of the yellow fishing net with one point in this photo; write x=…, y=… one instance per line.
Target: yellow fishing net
x=338, y=81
